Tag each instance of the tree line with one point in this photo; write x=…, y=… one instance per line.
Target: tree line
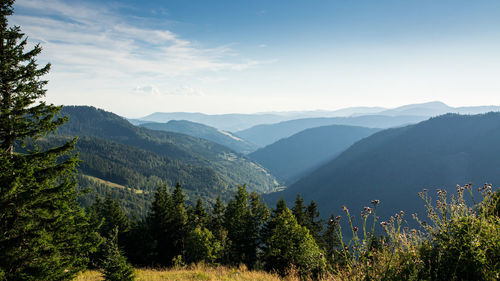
x=243, y=231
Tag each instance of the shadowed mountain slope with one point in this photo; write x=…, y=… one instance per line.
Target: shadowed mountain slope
x=395, y=164
x=295, y=156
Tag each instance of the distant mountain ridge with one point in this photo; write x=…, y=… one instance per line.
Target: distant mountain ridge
x=238, y=122
x=204, y=132
x=226, y=122
x=266, y=134
x=295, y=156
x=393, y=165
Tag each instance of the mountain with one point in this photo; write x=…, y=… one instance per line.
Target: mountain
x=266, y=134
x=293, y=157
x=435, y=108
x=226, y=122
x=204, y=132
x=395, y=164
x=199, y=164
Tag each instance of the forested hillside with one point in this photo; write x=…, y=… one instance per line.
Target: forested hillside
x=114, y=150
x=295, y=156
x=395, y=164
x=266, y=134
x=204, y=132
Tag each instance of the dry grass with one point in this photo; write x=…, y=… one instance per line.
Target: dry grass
x=196, y=272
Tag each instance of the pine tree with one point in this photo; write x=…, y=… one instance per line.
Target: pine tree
x=44, y=233
x=313, y=222
x=115, y=266
x=299, y=210
x=198, y=216
x=331, y=239
x=245, y=214
x=158, y=220
x=112, y=215
x=217, y=220
x=267, y=230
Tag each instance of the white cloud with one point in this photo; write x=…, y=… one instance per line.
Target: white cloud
x=94, y=41
x=153, y=90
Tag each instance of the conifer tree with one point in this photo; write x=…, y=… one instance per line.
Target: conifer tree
x=217, y=219
x=243, y=219
x=267, y=230
x=198, y=215
x=299, y=210
x=115, y=266
x=112, y=215
x=331, y=239
x=158, y=220
x=313, y=222
x=44, y=235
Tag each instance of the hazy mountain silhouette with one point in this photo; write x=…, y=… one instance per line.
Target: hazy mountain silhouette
x=293, y=157
x=205, y=132
x=266, y=134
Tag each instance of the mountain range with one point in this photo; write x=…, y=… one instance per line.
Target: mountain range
x=393, y=165
x=269, y=133
x=239, y=122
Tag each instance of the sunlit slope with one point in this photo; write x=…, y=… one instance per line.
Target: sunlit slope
x=221, y=165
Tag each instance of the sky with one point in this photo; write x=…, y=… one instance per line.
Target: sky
x=136, y=57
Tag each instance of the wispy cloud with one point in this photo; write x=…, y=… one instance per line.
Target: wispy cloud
x=153, y=90
x=95, y=41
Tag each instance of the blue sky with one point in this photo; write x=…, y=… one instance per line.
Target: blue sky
x=138, y=57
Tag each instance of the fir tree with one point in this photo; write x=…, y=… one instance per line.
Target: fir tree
x=44, y=233
x=313, y=222
x=331, y=239
x=112, y=215
x=243, y=219
x=115, y=266
x=216, y=224
x=198, y=215
x=158, y=218
x=299, y=210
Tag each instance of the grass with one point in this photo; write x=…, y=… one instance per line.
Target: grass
x=195, y=272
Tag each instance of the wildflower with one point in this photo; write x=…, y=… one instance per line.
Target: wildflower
x=425, y=189
x=375, y=202
x=345, y=209
x=383, y=223
x=338, y=218
x=355, y=229
x=402, y=213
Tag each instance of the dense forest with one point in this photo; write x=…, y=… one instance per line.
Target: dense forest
x=117, y=152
